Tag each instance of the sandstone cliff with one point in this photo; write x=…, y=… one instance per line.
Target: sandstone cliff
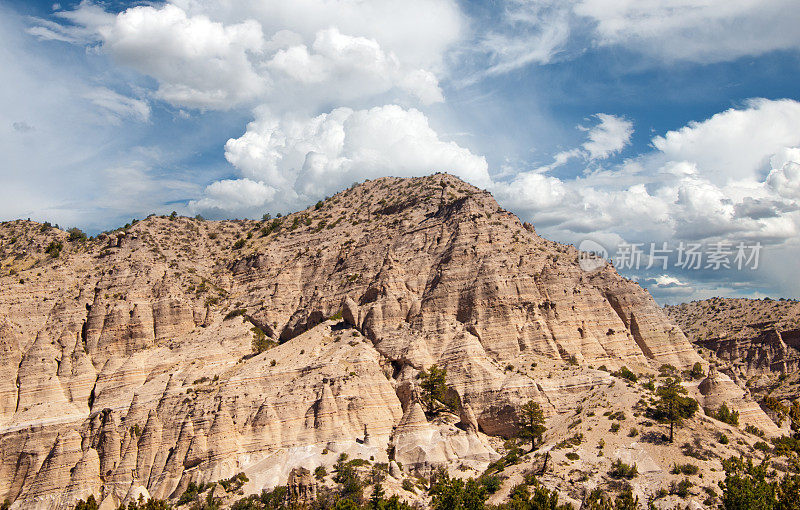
x=754, y=341
x=126, y=365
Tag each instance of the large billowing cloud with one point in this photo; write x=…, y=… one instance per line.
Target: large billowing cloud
x=735, y=144
x=211, y=56
x=197, y=61
x=418, y=32
x=732, y=178
x=308, y=158
x=735, y=173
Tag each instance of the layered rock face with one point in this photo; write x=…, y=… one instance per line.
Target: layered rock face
x=754, y=341
x=127, y=366
x=753, y=335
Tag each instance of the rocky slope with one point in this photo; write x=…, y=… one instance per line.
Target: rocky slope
x=755, y=341
x=127, y=365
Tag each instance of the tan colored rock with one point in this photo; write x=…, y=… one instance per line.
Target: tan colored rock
x=717, y=389
x=55, y=473
x=85, y=480
x=133, y=341
x=148, y=447
x=10, y=356
x=198, y=450
x=302, y=488
x=109, y=443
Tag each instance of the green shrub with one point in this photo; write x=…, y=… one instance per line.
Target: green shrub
x=752, y=429
x=686, y=469
x=261, y=342
x=76, y=234
x=89, y=504
x=680, y=489
x=786, y=445
x=238, y=245
x=453, y=493
x=725, y=415
x=491, y=483
x=667, y=370
x=569, y=442
x=747, y=486
x=621, y=470
x=234, y=483
x=625, y=373
x=191, y=493
x=762, y=446
x=54, y=249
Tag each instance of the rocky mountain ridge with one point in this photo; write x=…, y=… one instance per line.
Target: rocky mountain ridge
x=756, y=341
x=127, y=363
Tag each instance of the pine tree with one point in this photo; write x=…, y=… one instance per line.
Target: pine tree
x=376, y=498
x=434, y=387
x=532, y=427
x=672, y=406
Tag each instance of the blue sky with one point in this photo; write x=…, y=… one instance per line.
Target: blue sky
x=609, y=121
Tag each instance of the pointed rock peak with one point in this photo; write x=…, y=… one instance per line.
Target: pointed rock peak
x=414, y=417
x=350, y=312
x=187, y=430
x=43, y=344
x=223, y=422
x=67, y=441
x=712, y=382
x=152, y=417
x=327, y=392
x=88, y=468
x=467, y=416
x=152, y=428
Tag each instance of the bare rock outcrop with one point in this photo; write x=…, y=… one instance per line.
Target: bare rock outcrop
x=302, y=488
x=135, y=349
x=718, y=389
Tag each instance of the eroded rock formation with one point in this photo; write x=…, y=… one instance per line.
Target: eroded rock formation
x=126, y=365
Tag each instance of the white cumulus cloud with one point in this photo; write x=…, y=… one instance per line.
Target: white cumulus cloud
x=735, y=175
x=307, y=158
x=737, y=143
x=197, y=62
x=609, y=137
x=234, y=198
x=212, y=56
